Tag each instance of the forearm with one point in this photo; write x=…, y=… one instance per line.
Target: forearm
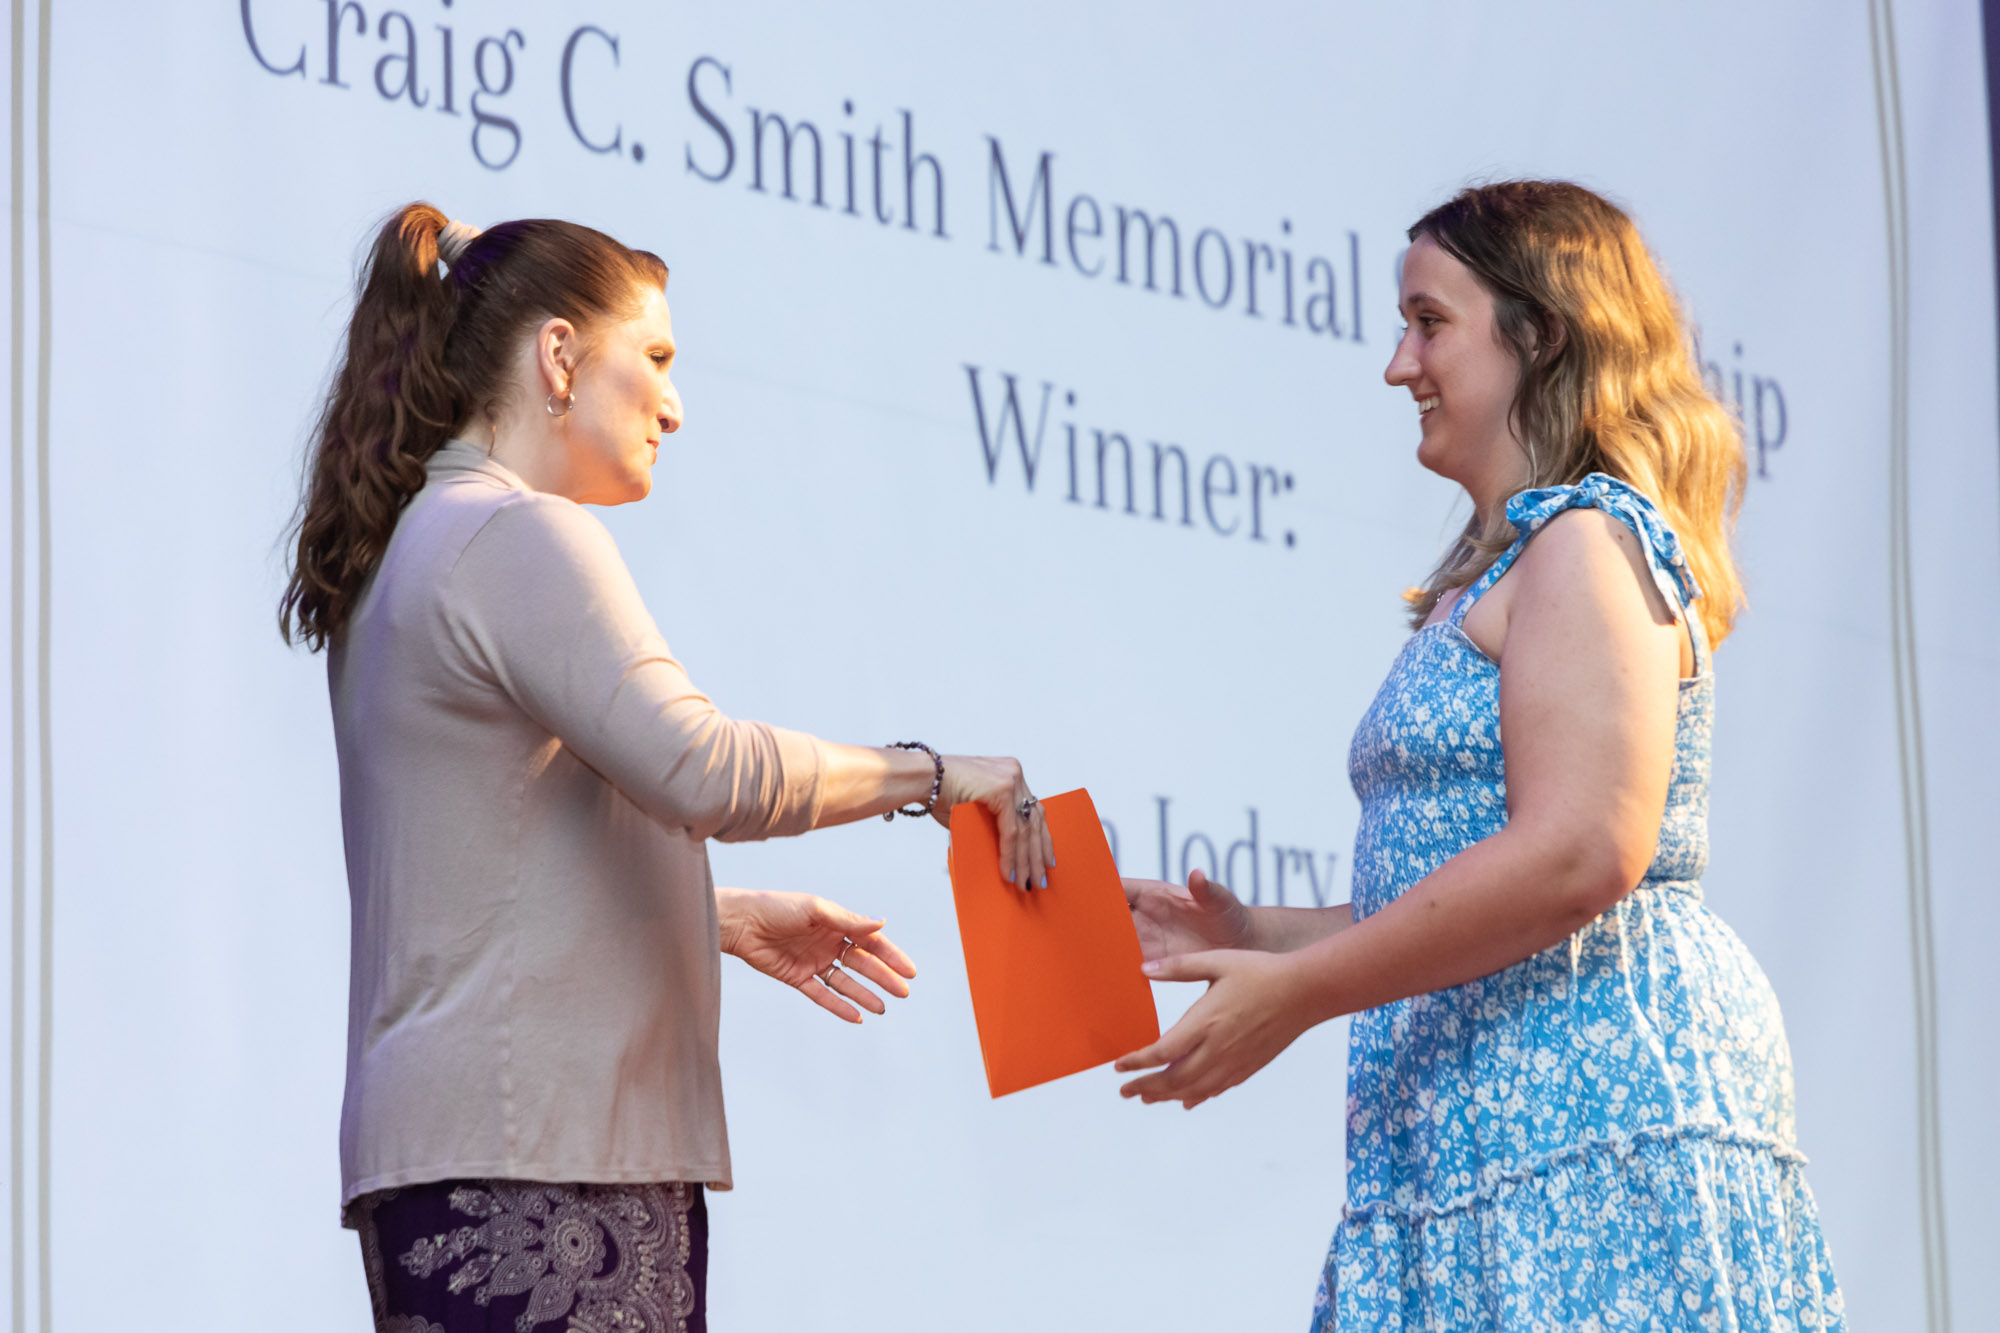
x=1493, y=905
x=858, y=781
x=1284, y=929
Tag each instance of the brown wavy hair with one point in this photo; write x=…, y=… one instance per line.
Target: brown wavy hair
x=428, y=355
x=1608, y=376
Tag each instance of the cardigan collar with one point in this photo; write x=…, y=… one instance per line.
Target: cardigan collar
x=458, y=456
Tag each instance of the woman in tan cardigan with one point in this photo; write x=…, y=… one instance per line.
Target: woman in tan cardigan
x=528, y=783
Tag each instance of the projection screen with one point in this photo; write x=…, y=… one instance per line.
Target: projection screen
x=1033, y=359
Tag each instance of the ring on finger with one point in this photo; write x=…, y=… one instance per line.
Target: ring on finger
x=1027, y=808
x=845, y=945
x=826, y=977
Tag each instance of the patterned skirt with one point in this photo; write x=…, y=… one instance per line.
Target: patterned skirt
x=511, y=1256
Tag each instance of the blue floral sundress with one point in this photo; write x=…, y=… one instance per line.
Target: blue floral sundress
x=1596, y=1138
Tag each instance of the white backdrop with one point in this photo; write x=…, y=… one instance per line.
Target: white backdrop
x=833, y=544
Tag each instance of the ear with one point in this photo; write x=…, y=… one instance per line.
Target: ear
x=556, y=347
x=1555, y=337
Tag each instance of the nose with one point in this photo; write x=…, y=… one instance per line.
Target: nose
x=1403, y=367
x=670, y=409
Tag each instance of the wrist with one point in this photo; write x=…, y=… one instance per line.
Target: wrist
x=732, y=910
x=918, y=779
x=1316, y=981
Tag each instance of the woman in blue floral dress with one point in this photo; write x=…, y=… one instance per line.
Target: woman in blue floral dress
x=1569, y=1092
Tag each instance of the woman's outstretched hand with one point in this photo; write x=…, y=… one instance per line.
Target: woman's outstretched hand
x=818, y=946
x=1173, y=921
x=1255, y=1006
x=1026, y=853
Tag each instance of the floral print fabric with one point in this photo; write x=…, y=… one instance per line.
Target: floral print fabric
x=487, y=1256
x=1600, y=1136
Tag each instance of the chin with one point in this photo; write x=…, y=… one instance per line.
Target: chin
x=622, y=490
x=1433, y=456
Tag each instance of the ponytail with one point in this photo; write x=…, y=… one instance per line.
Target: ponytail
x=425, y=355
x=390, y=409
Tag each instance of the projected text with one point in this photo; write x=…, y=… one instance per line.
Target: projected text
x=1102, y=468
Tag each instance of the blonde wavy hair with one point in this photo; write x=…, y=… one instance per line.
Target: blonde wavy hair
x=1608, y=376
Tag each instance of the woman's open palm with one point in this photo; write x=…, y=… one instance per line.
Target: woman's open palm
x=1172, y=920
x=808, y=942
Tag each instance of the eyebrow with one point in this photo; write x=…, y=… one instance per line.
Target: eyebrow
x=1416, y=298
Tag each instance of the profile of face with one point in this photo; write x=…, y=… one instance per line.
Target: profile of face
x=1461, y=374
x=625, y=402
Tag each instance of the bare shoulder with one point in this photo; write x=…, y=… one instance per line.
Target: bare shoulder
x=1583, y=551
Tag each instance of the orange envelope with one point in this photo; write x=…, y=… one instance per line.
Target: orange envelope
x=1054, y=972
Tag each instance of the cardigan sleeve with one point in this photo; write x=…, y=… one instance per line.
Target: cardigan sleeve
x=541, y=603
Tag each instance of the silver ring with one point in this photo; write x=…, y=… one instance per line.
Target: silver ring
x=826, y=977
x=845, y=945
x=1027, y=808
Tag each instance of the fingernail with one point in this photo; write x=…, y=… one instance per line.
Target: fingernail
x=1149, y=968
x=1045, y=882
x=1010, y=877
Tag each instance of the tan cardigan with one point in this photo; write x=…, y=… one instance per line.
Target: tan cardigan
x=526, y=780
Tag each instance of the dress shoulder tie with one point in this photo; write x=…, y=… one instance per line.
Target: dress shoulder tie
x=1531, y=510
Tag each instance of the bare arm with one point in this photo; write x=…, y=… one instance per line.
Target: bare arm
x=1172, y=920
x=1283, y=929
x=1588, y=694
x=1589, y=685
x=856, y=782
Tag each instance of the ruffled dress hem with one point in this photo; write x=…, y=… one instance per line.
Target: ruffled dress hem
x=1683, y=1228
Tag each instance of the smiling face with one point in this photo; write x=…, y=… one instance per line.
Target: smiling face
x=625, y=403
x=1462, y=376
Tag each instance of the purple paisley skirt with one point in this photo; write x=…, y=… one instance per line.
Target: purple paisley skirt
x=512, y=1256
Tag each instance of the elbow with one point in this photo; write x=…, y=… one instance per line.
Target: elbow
x=732, y=805
x=740, y=826
x=1593, y=873
x=756, y=782
x=716, y=822
x=710, y=790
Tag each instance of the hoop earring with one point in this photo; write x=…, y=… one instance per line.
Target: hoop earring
x=568, y=400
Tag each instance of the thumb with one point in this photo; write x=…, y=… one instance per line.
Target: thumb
x=1207, y=966
x=1207, y=893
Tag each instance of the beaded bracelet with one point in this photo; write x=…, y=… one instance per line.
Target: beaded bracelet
x=937, y=781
